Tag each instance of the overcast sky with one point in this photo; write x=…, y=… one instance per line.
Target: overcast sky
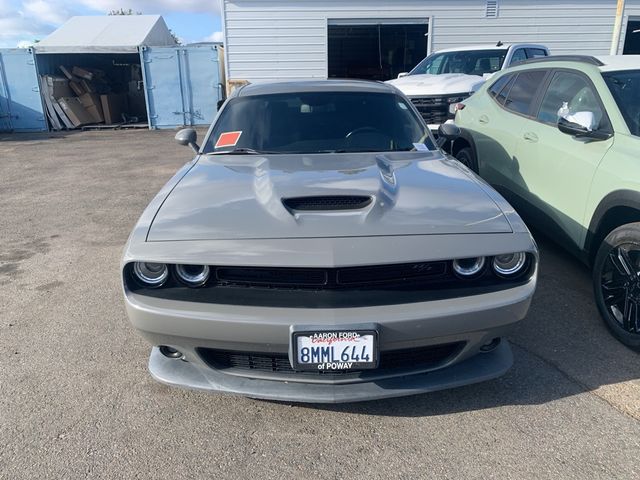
x=23, y=21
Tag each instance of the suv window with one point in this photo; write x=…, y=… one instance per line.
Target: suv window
x=498, y=85
x=573, y=90
x=518, y=56
x=470, y=62
x=625, y=88
x=523, y=92
x=502, y=96
x=536, y=52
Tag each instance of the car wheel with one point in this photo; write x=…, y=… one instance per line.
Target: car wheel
x=616, y=281
x=467, y=158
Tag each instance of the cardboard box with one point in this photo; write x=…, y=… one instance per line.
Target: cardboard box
x=76, y=112
x=113, y=106
x=92, y=104
x=58, y=87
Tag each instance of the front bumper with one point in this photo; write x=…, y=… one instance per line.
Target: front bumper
x=482, y=367
x=474, y=320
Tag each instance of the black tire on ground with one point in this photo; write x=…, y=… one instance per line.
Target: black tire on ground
x=616, y=283
x=466, y=157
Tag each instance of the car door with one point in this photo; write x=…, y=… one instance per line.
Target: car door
x=555, y=170
x=498, y=125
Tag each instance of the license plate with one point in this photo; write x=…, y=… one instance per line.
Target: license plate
x=335, y=350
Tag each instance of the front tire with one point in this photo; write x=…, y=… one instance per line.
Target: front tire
x=616, y=282
x=467, y=157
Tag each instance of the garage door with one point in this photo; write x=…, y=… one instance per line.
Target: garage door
x=182, y=84
x=20, y=102
x=375, y=51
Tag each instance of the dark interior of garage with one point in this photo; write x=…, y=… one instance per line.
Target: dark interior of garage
x=375, y=52
x=112, y=81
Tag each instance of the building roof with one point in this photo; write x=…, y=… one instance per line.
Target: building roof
x=107, y=34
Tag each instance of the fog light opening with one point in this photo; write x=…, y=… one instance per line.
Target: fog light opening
x=490, y=346
x=170, y=352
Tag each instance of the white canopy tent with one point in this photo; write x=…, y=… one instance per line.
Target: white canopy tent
x=107, y=34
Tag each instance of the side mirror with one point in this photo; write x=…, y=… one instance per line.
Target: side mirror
x=447, y=132
x=403, y=74
x=188, y=136
x=579, y=130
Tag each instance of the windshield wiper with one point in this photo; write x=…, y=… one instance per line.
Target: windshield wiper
x=238, y=151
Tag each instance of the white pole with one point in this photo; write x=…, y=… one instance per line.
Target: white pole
x=617, y=28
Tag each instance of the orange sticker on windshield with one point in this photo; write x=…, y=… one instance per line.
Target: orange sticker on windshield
x=228, y=139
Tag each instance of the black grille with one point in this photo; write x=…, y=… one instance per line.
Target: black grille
x=275, y=277
x=330, y=278
x=410, y=359
x=435, y=110
x=327, y=202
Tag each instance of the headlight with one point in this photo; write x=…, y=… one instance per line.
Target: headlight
x=468, y=267
x=509, y=264
x=151, y=274
x=193, y=275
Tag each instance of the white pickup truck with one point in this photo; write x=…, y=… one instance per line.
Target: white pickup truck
x=449, y=76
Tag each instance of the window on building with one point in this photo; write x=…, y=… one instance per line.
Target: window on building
x=632, y=37
x=375, y=52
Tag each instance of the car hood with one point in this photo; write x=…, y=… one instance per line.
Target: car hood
x=449, y=83
x=241, y=197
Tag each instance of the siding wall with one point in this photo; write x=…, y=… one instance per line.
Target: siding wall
x=276, y=39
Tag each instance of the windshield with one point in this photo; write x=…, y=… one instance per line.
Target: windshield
x=625, y=88
x=470, y=62
x=317, y=122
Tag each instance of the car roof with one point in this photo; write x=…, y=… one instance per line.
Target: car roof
x=493, y=46
x=619, y=62
x=331, y=85
x=584, y=62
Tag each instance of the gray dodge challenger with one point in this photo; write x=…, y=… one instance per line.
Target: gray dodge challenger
x=321, y=247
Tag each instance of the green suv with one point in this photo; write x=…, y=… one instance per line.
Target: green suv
x=560, y=138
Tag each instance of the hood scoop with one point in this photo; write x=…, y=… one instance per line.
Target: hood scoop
x=327, y=203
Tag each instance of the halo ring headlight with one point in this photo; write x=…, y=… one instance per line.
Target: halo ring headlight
x=509, y=264
x=193, y=275
x=468, y=267
x=151, y=274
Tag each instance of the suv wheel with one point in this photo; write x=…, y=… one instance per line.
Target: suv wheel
x=466, y=157
x=616, y=281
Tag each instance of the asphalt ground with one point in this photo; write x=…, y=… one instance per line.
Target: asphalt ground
x=76, y=400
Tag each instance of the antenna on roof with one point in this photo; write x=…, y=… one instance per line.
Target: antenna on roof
x=499, y=44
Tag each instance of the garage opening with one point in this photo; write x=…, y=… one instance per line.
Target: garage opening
x=375, y=51
x=632, y=37
x=92, y=89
